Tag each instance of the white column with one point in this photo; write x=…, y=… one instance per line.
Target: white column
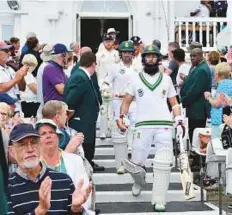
x=171, y=16
x=17, y=25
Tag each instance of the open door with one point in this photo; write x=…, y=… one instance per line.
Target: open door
x=91, y=29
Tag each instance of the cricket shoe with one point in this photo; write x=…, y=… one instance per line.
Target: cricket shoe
x=136, y=189
x=159, y=208
x=121, y=170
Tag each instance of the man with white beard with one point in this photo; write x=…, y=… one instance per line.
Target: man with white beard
x=33, y=187
x=106, y=57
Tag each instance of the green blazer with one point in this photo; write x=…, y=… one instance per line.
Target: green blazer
x=3, y=202
x=94, y=80
x=80, y=95
x=192, y=92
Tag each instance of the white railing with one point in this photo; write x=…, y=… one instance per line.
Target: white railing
x=203, y=30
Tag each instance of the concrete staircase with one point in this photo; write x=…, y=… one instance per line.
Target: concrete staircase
x=114, y=191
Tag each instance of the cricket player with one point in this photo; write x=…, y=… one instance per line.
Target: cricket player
x=105, y=58
x=151, y=90
x=119, y=76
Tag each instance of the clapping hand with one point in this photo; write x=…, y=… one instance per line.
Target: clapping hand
x=44, y=196
x=80, y=195
x=76, y=140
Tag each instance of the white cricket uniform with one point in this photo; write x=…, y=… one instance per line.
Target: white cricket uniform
x=154, y=121
x=119, y=76
x=105, y=59
x=137, y=63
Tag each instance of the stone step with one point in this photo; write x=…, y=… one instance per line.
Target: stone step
x=112, y=157
x=114, y=178
x=127, y=187
x=107, y=141
x=145, y=196
x=145, y=208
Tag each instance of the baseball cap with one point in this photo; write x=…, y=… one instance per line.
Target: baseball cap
x=194, y=45
x=22, y=131
x=136, y=40
x=4, y=46
x=59, y=48
x=107, y=37
x=112, y=30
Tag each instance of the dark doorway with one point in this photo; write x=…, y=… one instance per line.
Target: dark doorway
x=93, y=29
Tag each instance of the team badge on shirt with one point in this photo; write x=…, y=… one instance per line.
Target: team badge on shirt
x=122, y=71
x=164, y=92
x=138, y=135
x=140, y=92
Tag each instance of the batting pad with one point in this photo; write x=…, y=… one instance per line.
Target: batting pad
x=229, y=172
x=162, y=165
x=138, y=173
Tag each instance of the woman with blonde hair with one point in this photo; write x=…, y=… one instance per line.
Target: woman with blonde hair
x=224, y=83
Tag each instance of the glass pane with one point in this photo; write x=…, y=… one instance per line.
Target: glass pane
x=104, y=6
x=7, y=32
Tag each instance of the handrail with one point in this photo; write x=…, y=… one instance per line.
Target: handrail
x=201, y=19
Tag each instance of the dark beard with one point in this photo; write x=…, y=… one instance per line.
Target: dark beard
x=151, y=69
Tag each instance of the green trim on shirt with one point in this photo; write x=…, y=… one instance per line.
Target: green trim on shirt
x=152, y=87
x=154, y=122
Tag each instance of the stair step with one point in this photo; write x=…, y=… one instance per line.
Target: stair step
x=146, y=208
x=145, y=196
x=114, y=178
x=127, y=187
x=109, y=157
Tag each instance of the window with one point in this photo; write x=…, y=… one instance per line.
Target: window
x=7, y=32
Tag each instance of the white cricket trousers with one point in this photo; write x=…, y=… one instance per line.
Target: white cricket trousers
x=144, y=139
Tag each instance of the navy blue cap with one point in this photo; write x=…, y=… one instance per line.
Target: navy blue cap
x=107, y=37
x=136, y=40
x=21, y=131
x=59, y=48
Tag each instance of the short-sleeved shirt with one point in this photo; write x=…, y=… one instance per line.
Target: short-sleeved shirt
x=204, y=11
x=53, y=74
x=8, y=74
x=216, y=113
x=174, y=67
x=151, y=94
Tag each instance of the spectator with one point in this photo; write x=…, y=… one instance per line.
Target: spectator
x=75, y=49
x=33, y=48
x=213, y=60
x=179, y=57
x=192, y=94
x=172, y=69
x=10, y=81
x=46, y=57
x=58, y=160
x=48, y=186
x=3, y=203
x=80, y=95
x=54, y=78
x=202, y=10
x=28, y=36
x=59, y=113
x=16, y=43
x=137, y=60
x=157, y=43
x=224, y=83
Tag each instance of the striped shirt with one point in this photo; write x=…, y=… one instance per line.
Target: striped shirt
x=24, y=198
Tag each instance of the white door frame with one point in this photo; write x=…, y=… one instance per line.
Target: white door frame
x=105, y=15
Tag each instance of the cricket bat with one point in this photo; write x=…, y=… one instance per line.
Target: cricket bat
x=186, y=174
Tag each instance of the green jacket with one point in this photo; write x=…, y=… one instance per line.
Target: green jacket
x=3, y=203
x=94, y=80
x=81, y=96
x=192, y=92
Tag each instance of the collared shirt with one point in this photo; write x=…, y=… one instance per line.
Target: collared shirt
x=25, y=176
x=53, y=74
x=8, y=74
x=86, y=72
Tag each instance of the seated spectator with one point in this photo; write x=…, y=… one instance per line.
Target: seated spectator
x=58, y=160
x=58, y=112
x=218, y=101
x=35, y=189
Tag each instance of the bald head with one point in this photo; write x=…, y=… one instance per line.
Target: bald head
x=197, y=51
x=85, y=49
